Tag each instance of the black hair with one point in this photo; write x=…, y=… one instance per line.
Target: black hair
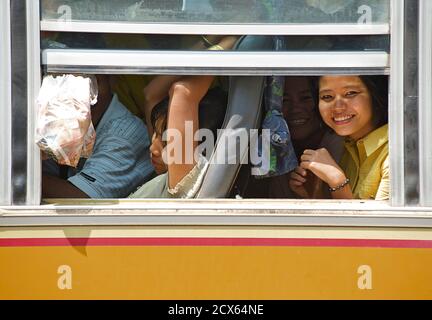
x=314, y=88
x=378, y=90
x=211, y=112
x=160, y=112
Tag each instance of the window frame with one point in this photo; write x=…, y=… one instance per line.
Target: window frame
x=217, y=212
x=425, y=103
x=225, y=29
x=396, y=105
x=396, y=119
x=212, y=62
x=6, y=102
x=34, y=169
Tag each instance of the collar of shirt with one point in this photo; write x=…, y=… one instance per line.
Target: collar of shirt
x=368, y=145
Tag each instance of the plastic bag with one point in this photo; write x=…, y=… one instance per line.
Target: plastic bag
x=64, y=130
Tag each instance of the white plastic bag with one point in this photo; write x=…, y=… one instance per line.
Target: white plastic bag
x=64, y=130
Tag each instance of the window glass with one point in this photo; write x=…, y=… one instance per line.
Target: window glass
x=219, y=11
x=74, y=40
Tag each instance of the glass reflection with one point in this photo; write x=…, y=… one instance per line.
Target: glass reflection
x=219, y=11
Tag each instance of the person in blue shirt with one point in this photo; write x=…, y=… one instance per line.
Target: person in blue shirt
x=120, y=161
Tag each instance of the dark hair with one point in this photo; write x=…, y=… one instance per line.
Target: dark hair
x=378, y=90
x=313, y=83
x=160, y=111
x=211, y=112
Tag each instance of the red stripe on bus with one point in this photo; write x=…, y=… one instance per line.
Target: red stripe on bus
x=248, y=242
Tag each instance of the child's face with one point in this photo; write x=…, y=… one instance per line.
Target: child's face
x=156, y=150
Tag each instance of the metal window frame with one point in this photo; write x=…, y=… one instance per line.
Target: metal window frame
x=411, y=102
x=213, y=212
x=396, y=105
x=34, y=177
x=226, y=29
x=425, y=103
x=6, y=103
x=19, y=94
x=395, y=116
x=211, y=62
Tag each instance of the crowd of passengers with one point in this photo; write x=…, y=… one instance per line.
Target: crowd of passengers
x=337, y=124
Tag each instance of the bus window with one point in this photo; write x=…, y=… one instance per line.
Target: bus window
x=310, y=125
x=136, y=42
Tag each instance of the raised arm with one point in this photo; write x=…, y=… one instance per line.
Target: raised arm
x=154, y=93
x=159, y=87
x=185, y=96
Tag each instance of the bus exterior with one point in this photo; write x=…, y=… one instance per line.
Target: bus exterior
x=209, y=247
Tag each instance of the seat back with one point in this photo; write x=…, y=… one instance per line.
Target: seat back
x=243, y=113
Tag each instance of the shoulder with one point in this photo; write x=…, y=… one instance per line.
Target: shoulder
x=385, y=164
x=122, y=124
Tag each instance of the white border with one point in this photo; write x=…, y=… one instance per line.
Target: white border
x=5, y=103
x=226, y=29
x=425, y=102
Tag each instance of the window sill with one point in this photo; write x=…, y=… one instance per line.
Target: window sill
x=223, y=212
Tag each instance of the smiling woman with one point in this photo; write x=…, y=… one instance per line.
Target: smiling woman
x=355, y=108
x=347, y=106
x=308, y=131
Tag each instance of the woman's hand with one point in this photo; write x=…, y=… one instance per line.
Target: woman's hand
x=305, y=184
x=322, y=164
x=297, y=182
